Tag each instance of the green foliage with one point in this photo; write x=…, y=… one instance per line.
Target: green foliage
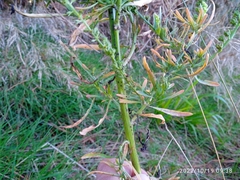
x=228, y=35
x=174, y=56
x=29, y=115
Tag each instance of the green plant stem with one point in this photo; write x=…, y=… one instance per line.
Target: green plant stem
x=114, y=22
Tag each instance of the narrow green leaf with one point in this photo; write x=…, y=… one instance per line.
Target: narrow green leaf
x=143, y=94
x=174, y=95
x=207, y=82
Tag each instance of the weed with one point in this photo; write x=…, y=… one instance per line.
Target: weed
x=36, y=104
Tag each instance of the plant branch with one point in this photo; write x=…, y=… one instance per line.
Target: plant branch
x=175, y=140
x=114, y=21
x=134, y=32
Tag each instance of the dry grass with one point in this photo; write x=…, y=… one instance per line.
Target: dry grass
x=34, y=52
x=228, y=62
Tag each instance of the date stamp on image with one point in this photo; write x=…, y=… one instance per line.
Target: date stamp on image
x=205, y=170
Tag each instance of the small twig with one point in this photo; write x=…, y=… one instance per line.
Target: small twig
x=208, y=128
x=228, y=92
x=160, y=160
x=16, y=85
x=35, y=15
x=71, y=159
x=181, y=150
x=116, y=142
x=133, y=47
x=62, y=15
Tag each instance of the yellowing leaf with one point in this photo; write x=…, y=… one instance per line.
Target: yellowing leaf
x=201, y=68
x=162, y=45
x=207, y=82
x=189, y=17
x=210, y=19
x=91, y=96
x=144, y=84
x=203, y=19
x=124, y=149
x=143, y=94
x=149, y=72
x=172, y=112
x=179, y=16
x=158, y=55
x=122, y=96
x=169, y=57
x=145, y=33
x=200, y=15
x=174, y=94
x=211, y=83
x=208, y=46
x=174, y=178
x=128, y=101
x=109, y=74
x=94, y=155
x=88, y=129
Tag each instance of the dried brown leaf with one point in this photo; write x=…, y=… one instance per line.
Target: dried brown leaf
x=109, y=74
x=149, y=72
x=92, y=127
x=122, y=96
x=201, y=68
x=179, y=16
x=189, y=17
x=79, y=30
x=152, y=115
x=207, y=82
x=210, y=19
x=126, y=101
x=80, y=120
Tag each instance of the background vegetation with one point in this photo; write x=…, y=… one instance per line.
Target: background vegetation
x=39, y=93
